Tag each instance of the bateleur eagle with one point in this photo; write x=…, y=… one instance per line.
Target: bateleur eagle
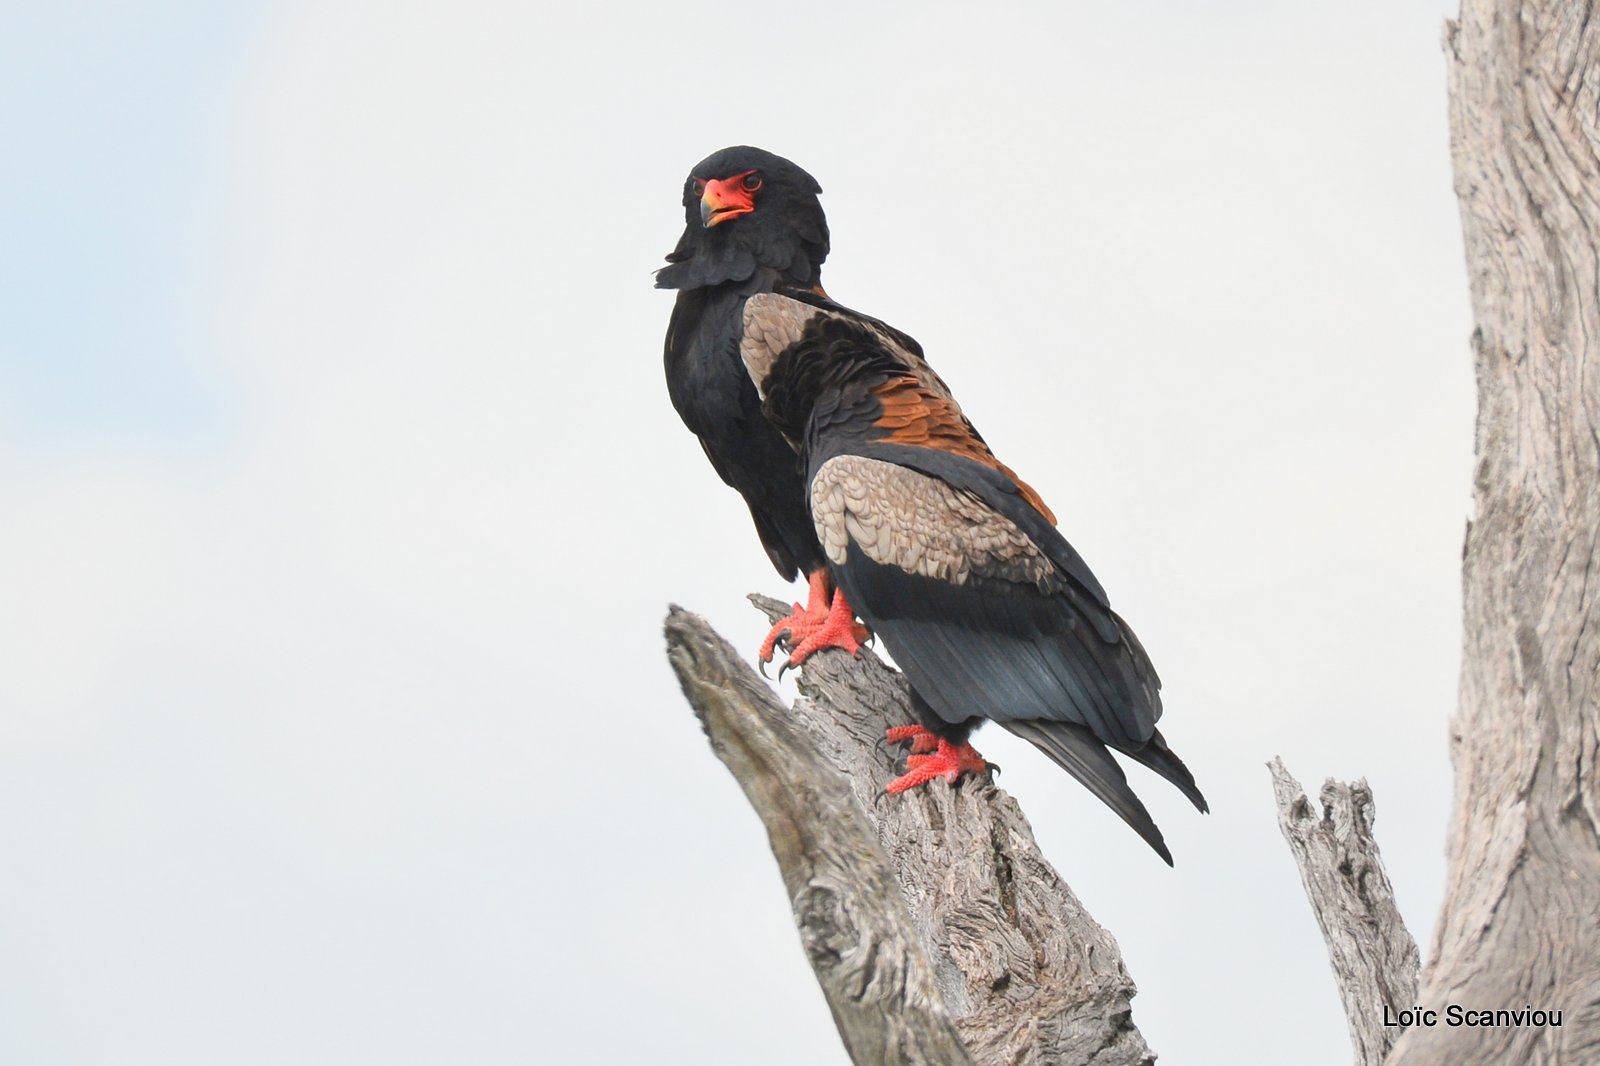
x=896, y=508
x=752, y=225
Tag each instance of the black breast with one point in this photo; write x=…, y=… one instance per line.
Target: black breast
x=714, y=396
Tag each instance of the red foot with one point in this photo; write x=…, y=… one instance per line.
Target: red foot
x=948, y=761
x=922, y=741
x=820, y=624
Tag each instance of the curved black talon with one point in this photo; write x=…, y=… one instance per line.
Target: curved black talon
x=788, y=664
x=761, y=664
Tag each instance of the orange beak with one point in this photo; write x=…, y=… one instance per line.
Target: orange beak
x=725, y=199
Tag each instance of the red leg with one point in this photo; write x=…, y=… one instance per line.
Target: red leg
x=948, y=761
x=922, y=741
x=826, y=621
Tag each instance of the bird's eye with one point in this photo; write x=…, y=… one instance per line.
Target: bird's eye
x=699, y=186
x=752, y=181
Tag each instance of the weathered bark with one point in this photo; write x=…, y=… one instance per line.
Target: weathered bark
x=950, y=876
x=1521, y=919
x=1374, y=958
x=874, y=972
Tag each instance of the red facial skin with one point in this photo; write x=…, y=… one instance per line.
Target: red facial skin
x=726, y=198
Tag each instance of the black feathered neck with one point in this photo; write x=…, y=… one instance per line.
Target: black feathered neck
x=782, y=242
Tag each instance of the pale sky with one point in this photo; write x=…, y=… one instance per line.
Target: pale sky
x=343, y=499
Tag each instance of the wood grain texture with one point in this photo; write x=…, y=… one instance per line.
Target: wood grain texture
x=1374, y=958
x=876, y=976
x=1028, y=977
x=1521, y=920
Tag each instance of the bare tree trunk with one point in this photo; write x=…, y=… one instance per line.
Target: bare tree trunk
x=942, y=881
x=1374, y=958
x=861, y=942
x=1521, y=920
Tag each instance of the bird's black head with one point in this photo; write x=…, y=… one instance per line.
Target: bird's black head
x=751, y=219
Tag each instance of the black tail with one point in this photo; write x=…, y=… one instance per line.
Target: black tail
x=1075, y=749
x=1161, y=759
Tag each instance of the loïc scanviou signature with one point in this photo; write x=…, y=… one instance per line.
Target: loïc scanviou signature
x=1454, y=1014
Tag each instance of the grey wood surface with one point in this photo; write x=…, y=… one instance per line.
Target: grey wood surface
x=1521, y=921
x=1373, y=955
x=945, y=880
